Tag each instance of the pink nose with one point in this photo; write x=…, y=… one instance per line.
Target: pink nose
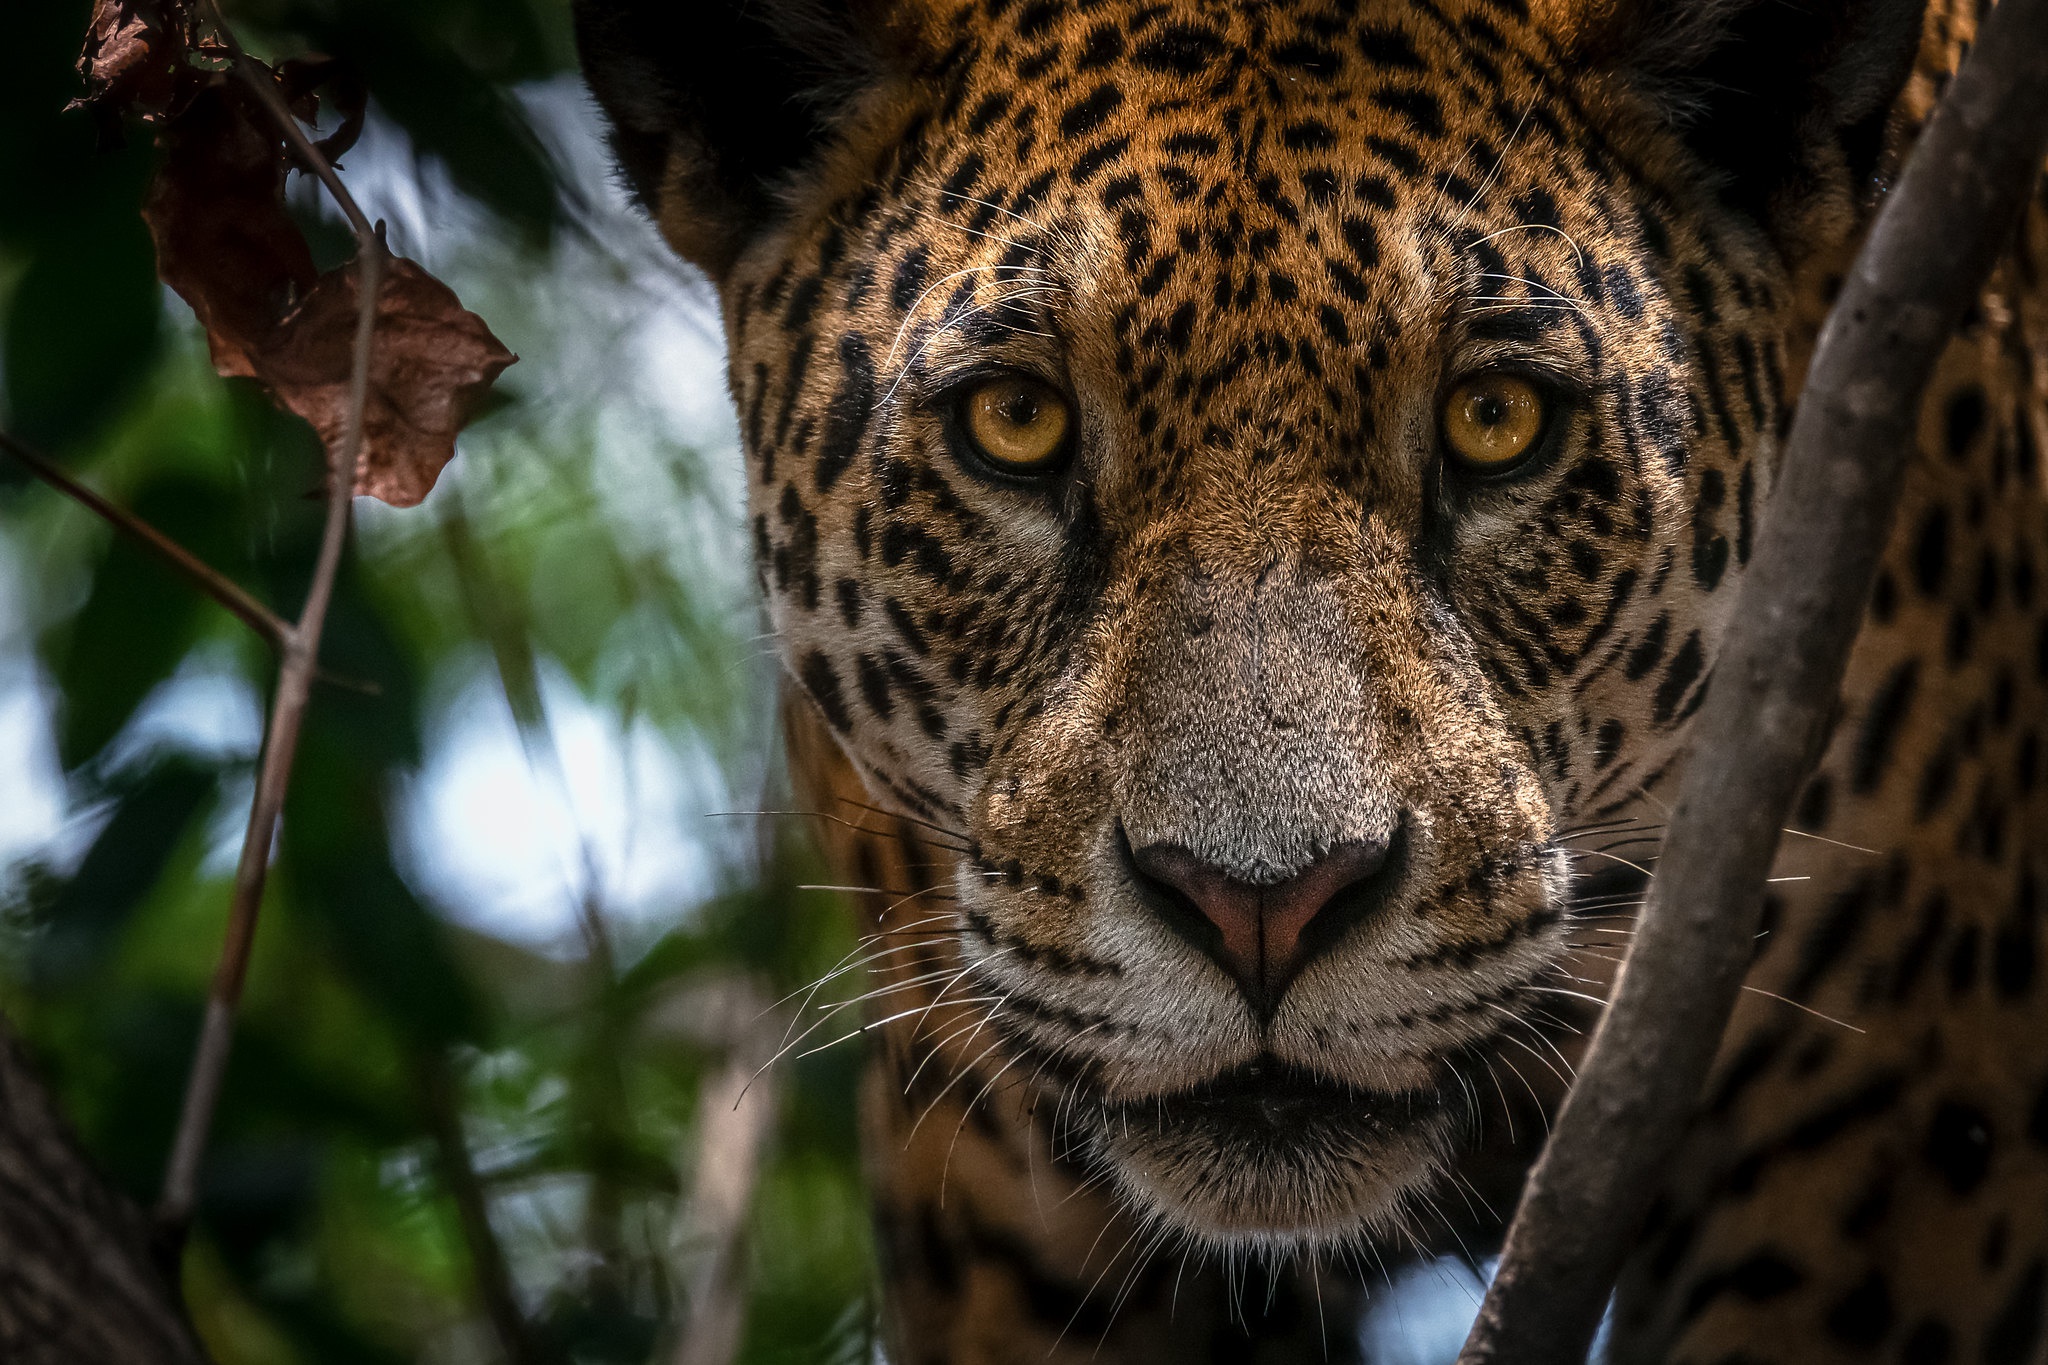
x=1262, y=935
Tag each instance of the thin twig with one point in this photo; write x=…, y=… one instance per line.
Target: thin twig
x=294, y=684
x=1780, y=669
x=208, y=579
x=516, y=1337
x=263, y=85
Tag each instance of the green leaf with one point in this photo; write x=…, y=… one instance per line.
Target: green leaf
x=81, y=330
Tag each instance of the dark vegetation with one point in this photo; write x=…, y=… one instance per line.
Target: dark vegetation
x=441, y=1136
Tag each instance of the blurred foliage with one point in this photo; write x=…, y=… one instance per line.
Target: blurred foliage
x=329, y=1228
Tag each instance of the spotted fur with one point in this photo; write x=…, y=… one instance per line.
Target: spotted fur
x=1259, y=617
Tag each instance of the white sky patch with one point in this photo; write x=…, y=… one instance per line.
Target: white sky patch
x=504, y=845
x=32, y=795
x=1422, y=1318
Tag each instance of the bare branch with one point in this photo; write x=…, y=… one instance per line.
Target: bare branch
x=209, y=580
x=294, y=685
x=1928, y=255
x=516, y=1337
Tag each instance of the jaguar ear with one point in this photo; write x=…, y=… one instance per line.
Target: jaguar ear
x=1788, y=100
x=717, y=104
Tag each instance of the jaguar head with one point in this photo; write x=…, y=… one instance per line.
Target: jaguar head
x=1264, y=479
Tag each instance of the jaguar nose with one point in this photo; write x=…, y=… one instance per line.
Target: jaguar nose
x=1262, y=935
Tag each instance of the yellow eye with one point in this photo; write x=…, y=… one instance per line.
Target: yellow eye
x=1018, y=424
x=1492, y=420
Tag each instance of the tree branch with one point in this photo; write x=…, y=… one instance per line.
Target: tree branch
x=1780, y=669
x=208, y=579
x=516, y=1337
x=76, y=1279
x=294, y=685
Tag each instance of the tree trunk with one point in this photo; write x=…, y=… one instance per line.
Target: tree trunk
x=77, y=1286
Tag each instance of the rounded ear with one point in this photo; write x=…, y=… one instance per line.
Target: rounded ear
x=1787, y=100
x=715, y=103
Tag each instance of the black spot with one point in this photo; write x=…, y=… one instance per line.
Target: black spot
x=1104, y=44
x=849, y=602
x=1090, y=162
x=909, y=278
x=987, y=112
x=1930, y=551
x=1963, y=960
x=1621, y=289
x=2015, y=950
x=1309, y=135
x=1399, y=155
x=1881, y=722
x=1838, y=929
x=874, y=686
x=1088, y=114
x=803, y=302
x=1183, y=49
x=1375, y=190
x=1305, y=55
x=1959, y=1145
x=965, y=177
x=1869, y=1210
x=1759, y=1277
x=1678, y=677
x=1035, y=18
x=1649, y=649
x=1816, y=803
x=1390, y=48
x=1931, y=1342
x=1709, y=546
x=1363, y=241
x=846, y=416
x=1919, y=949
x=1962, y=421
x=1862, y=1317
x=821, y=680
x=1417, y=106
x=2016, y=1330
x=1607, y=742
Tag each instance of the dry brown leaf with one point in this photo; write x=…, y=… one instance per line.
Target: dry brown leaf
x=226, y=244
x=133, y=52
x=223, y=238
x=431, y=365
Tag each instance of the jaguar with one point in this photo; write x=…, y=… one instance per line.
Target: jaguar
x=1248, y=495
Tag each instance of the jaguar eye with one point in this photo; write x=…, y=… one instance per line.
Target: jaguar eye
x=1492, y=421
x=1017, y=424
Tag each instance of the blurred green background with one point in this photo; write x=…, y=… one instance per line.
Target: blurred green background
x=509, y=944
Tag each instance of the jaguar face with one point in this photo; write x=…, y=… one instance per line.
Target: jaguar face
x=1259, y=478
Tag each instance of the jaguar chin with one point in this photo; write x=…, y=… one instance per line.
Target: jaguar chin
x=1271, y=1158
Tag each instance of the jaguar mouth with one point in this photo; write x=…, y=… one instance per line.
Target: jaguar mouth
x=1268, y=1103
x=1272, y=1155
